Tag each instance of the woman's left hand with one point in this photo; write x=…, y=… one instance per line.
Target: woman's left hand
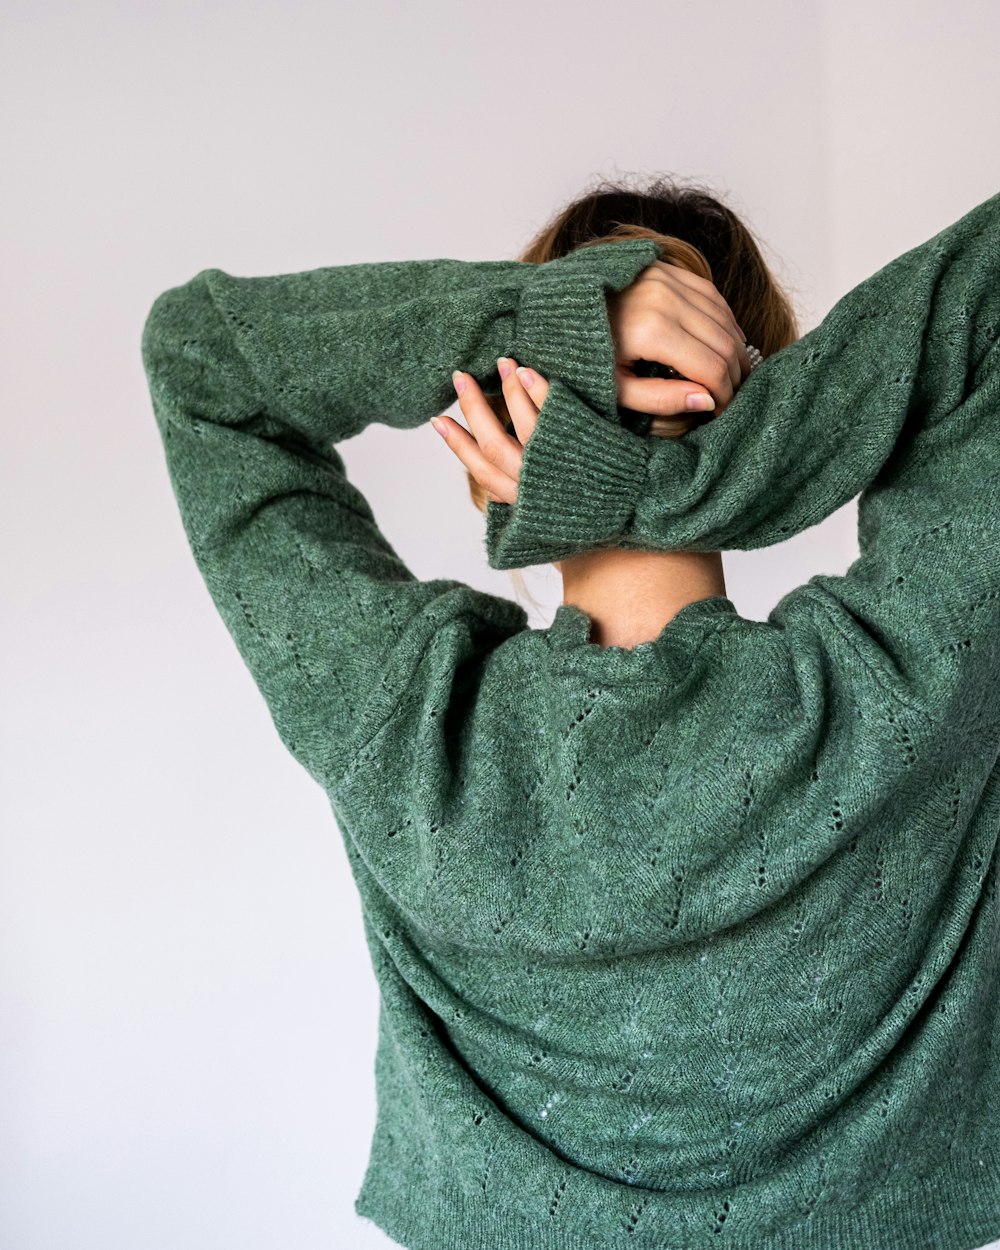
x=490, y=454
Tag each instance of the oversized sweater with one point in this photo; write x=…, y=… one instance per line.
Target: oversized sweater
x=691, y=944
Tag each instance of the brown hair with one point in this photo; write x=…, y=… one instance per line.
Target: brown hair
x=697, y=231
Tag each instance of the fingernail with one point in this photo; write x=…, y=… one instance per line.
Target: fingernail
x=458, y=378
x=439, y=426
x=527, y=378
x=503, y=366
x=700, y=402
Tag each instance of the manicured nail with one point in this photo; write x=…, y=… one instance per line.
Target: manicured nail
x=458, y=378
x=440, y=426
x=699, y=401
x=503, y=366
x=527, y=378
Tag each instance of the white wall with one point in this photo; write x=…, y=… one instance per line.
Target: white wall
x=188, y=1012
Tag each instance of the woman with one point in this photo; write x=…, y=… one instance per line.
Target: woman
x=673, y=309
x=685, y=924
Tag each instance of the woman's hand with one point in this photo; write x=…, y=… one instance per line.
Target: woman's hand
x=668, y=315
x=672, y=316
x=491, y=455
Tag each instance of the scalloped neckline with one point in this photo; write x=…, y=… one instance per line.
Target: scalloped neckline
x=680, y=638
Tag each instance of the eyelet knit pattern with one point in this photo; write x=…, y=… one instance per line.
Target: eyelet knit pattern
x=693, y=944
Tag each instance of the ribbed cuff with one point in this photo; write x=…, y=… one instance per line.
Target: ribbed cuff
x=562, y=326
x=582, y=468
x=579, y=481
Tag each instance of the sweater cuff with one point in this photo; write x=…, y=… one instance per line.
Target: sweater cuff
x=581, y=468
x=561, y=321
x=579, y=481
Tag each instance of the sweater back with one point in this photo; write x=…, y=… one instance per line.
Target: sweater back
x=690, y=944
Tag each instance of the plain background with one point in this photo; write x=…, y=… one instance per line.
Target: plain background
x=188, y=1009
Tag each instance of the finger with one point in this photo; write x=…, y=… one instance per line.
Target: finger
x=705, y=289
x=522, y=403
x=498, y=447
x=714, y=330
x=660, y=397
x=721, y=331
x=704, y=327
x=499, y=485
x=675, y=345
x=707, y=316
x=535, y=387
x=707, y=297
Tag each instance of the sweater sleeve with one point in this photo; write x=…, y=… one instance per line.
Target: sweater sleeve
x=895, y=394
x=254, y=379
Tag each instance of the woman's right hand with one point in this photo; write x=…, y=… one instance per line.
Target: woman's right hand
x=674, y=317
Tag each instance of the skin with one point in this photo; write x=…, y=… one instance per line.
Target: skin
x=667, y=314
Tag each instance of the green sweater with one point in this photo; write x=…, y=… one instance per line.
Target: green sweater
x=693, y=944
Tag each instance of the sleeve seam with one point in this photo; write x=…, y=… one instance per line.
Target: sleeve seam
x=258, y=384
x=911, y=704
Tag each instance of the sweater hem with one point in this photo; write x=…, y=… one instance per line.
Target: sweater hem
x=954, y=1208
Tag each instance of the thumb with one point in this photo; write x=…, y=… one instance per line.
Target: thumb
x=662, y=397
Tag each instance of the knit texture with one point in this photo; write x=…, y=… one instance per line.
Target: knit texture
x=691, y=944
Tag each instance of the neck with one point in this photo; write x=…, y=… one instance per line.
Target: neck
x=631, y=595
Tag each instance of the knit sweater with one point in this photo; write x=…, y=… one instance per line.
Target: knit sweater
x=690, y=944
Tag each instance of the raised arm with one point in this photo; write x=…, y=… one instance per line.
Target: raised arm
x=895, y=394
x=253, y=379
